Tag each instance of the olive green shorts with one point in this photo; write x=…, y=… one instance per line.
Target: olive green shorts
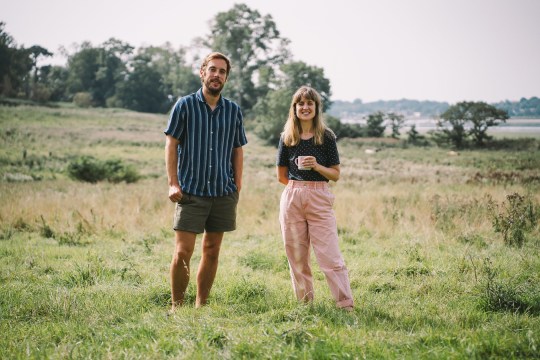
x=198, y=214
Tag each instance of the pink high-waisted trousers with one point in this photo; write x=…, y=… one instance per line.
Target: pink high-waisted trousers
x=306, y=217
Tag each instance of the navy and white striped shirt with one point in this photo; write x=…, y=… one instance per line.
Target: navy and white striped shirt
x=207, y=139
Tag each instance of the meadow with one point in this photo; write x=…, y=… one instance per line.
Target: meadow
x=442, y=251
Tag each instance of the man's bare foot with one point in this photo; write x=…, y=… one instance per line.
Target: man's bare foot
x=173, y=308
x=199, y=304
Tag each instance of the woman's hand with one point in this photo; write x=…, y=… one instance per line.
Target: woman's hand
x=310, y=162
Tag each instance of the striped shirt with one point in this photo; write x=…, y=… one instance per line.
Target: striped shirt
x=207, y=139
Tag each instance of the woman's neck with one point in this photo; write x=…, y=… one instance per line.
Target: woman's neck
x=306, y=127
x=307, y=133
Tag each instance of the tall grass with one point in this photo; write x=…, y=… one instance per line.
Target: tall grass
x=84, y=267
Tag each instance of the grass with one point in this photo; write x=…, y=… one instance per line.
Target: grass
x=84, y=267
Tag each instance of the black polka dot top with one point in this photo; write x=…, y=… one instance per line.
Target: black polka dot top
x=326, y=155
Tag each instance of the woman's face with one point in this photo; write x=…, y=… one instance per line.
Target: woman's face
x=305, y=109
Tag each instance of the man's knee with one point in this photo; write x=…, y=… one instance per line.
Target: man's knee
x=182, y=254
x=182, y=257
x=211, y=247
x=211, y=251
x=185, y=244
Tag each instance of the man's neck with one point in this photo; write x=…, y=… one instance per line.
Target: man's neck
x=211, y=100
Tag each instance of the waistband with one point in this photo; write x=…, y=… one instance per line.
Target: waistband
x=308, y=184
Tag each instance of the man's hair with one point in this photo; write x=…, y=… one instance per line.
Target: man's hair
x=216, y=55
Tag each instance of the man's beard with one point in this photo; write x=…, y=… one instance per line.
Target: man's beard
x=212, y=90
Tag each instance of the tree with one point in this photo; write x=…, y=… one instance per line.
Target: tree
x=252, y=42
x=414, y=137
x=15, y=65
x=375, y=124
x=298, y=73
x=271, y=111
x=82, y=67
x=178, y=78
x=98, y=69
x=7, y=49
x=143, y=89
x=469, y=119
x=35, y=52
x=396, y=123
x=54, y=79
x=343, y=130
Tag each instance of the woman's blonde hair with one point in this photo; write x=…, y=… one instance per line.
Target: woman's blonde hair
x=293, y=129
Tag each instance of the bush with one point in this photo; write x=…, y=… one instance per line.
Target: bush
x=89, y=169
x=509, y=296
x=114, y=102
x=117, y=172
x=82, y=99
x=516, y=218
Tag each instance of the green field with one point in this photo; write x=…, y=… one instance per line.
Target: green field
x=442, y=251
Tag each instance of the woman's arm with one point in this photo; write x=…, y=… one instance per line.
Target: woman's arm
x=331, y=173
x=283, y=174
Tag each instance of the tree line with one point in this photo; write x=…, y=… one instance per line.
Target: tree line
x=151, y=78
x=526, y=108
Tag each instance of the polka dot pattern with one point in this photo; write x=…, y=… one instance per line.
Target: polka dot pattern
x=326, y=155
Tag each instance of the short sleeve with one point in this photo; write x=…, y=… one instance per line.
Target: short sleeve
x=240, y=138
x=176, y=124
x=282, y=158
x=331, y=150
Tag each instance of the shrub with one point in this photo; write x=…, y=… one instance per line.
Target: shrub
x=117, y=172
x=518, y=216
x=82, y=99
x=89, y=169
x=499, y=296
x=113, y=102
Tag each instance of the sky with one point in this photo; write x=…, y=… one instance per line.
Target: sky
x=440, y=50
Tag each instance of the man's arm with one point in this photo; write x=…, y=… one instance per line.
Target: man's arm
x=171, y=164
x=238, y=166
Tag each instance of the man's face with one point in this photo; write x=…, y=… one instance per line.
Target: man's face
x=214, y=76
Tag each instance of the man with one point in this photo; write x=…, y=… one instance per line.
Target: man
x=204, y=160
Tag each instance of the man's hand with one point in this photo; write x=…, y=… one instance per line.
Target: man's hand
x=175, y=193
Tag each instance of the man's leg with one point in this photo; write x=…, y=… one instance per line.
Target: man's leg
x=208, y=266
x=185, y=243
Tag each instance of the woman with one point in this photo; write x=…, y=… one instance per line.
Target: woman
x=306, y=214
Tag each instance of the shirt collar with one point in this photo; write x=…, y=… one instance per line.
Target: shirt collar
x=200, y=97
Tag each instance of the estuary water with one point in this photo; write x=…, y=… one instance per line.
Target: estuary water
x=521, y=126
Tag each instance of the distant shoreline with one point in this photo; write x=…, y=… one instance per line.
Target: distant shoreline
x=530, y=126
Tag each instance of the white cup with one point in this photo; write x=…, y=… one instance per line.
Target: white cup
x=298, y=161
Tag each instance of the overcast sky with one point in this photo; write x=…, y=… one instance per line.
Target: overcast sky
x=443, y=50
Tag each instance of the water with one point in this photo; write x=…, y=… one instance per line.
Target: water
x=514, y=126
